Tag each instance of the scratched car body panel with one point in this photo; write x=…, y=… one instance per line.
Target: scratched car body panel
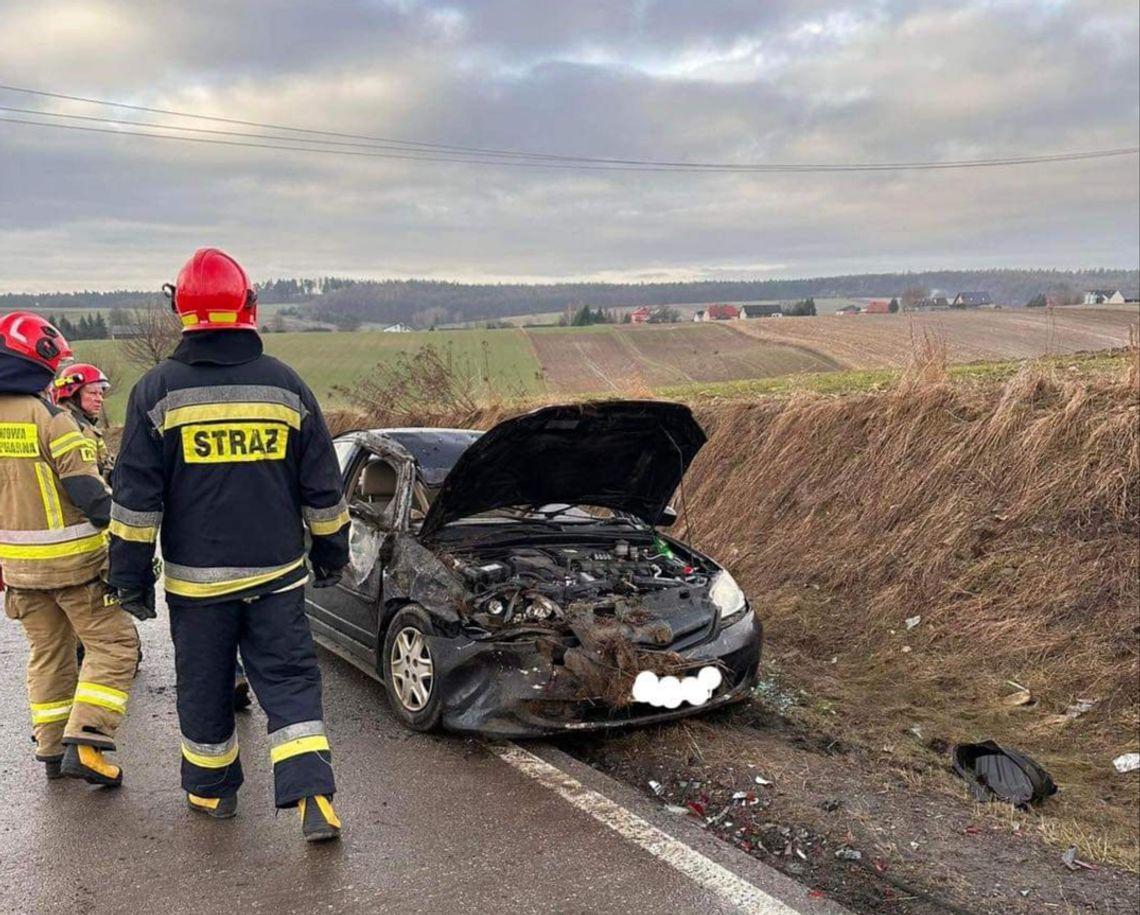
x=516, y=582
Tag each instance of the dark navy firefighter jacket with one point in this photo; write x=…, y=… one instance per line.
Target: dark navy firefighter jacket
x=224, y=451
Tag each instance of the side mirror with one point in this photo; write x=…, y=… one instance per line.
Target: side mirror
x=668, y=517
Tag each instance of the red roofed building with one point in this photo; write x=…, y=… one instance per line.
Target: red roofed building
x=722, y=313
x=639, y=315
x=877, y=307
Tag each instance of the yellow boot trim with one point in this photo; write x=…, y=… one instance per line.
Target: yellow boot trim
x=209, y=803
x=326, y=809
x=93, y=760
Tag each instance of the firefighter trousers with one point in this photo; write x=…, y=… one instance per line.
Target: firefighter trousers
x=74, y=703
x=281, y=664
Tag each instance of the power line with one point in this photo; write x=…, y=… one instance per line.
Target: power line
x=407, y=150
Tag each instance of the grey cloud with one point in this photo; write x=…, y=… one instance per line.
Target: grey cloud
x=716, y=81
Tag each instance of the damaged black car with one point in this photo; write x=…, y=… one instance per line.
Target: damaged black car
x=517, y=582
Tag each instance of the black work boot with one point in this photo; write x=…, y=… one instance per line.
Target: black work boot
x=86, y=762
x=319, y=821
x=242, y=699
x=220, y=808
x=52, y=766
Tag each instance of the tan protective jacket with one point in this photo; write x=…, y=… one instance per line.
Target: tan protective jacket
x=45, y=540
x=103, y=459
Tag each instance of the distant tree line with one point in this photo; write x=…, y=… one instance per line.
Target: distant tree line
x=425, y=303
x=88, y=327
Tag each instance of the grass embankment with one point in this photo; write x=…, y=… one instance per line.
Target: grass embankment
x=999, y=502
x=1004, y=513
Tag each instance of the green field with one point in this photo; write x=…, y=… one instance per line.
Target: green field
x=328, y=359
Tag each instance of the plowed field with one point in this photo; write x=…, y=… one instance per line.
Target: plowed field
x=886, y=341
x=624, y=358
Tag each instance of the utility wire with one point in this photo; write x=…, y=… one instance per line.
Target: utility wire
x=388, y=148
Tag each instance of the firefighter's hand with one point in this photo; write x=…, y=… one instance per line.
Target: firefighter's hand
x=326, y=578
x=138, y=602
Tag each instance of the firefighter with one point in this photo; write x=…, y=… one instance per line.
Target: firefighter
x=80, y=388
x=54, y=508
x=226, y=453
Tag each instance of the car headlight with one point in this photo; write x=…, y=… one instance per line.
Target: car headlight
x=729, y=599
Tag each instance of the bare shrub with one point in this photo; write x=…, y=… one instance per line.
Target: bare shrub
x=159, y=332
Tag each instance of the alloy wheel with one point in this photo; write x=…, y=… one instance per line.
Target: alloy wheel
x=412, y=669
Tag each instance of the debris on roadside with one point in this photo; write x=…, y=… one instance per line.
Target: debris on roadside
x=1022, y=697
x=657, y=788
x=1129, y=762
x=912, y=621
x=760, y=780
x=994, y=773
x=831, y=805
x=1079, y=707
x=1073, y=863
x=847, y=853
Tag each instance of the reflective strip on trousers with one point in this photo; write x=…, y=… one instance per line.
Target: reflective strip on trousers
x=325, y=521
x=47, y=712
x=103, y=696
x=192, y=581
x=210, y=755
x=295, y=739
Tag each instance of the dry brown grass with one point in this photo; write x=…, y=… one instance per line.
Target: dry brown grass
x=1008, y=519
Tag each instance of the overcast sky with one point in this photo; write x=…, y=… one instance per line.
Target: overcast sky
x=740, y=81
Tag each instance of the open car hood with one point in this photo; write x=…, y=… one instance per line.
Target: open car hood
x=625, y=455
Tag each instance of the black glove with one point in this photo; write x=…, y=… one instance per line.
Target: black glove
x=138, y=602
x=326, y=578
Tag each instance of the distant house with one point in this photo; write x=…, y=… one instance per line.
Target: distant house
x=699, y=315
x=848, y=310
x=760, y=311
x=397, y=328
x=124, y=331
x=1104, y=297
x=722, y=313
x=972, y=300
x=640, y=315
x=877, y=307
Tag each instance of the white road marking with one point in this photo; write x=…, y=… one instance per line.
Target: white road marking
x=701, y=870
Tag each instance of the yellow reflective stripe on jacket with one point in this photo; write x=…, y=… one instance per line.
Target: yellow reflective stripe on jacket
x=50, y=495
x=204, y=761
x=324, y=528
x=126, y=531
x=46, y=712
x=213, y=412
x=213, y=582
x=88, y=544
x=69, y=442
x=103, y=696
x=296, y=747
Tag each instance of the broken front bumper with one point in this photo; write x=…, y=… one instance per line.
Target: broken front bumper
x=515, y=688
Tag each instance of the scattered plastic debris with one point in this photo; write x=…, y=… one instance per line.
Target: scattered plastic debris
x=1022, y=696
x=906, y=649
x=847, y=853
x=674, y=809
x=831, y=805
x=994, y=773
x=761, y=780
x=1129, y=762
x=1073, y=863
x=912, y=621
x=696, y=807
x=1079, y=707
x=657, y=788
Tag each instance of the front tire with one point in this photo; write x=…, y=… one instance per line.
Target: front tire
x=409, y=670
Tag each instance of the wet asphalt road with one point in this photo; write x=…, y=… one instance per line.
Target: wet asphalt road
x=432, y=824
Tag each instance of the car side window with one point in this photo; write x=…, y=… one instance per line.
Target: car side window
x=373, y=492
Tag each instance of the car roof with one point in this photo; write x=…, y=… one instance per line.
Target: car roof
x=434, y=450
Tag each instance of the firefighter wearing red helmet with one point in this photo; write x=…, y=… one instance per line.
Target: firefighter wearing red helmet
x=81, y=387
x=54, y=508
x=226, y=455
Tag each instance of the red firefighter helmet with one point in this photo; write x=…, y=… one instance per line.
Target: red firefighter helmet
x=213, y=293
x=75, y=377
x=30, y=337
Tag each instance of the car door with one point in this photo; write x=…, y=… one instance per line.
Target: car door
x=377, y=488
